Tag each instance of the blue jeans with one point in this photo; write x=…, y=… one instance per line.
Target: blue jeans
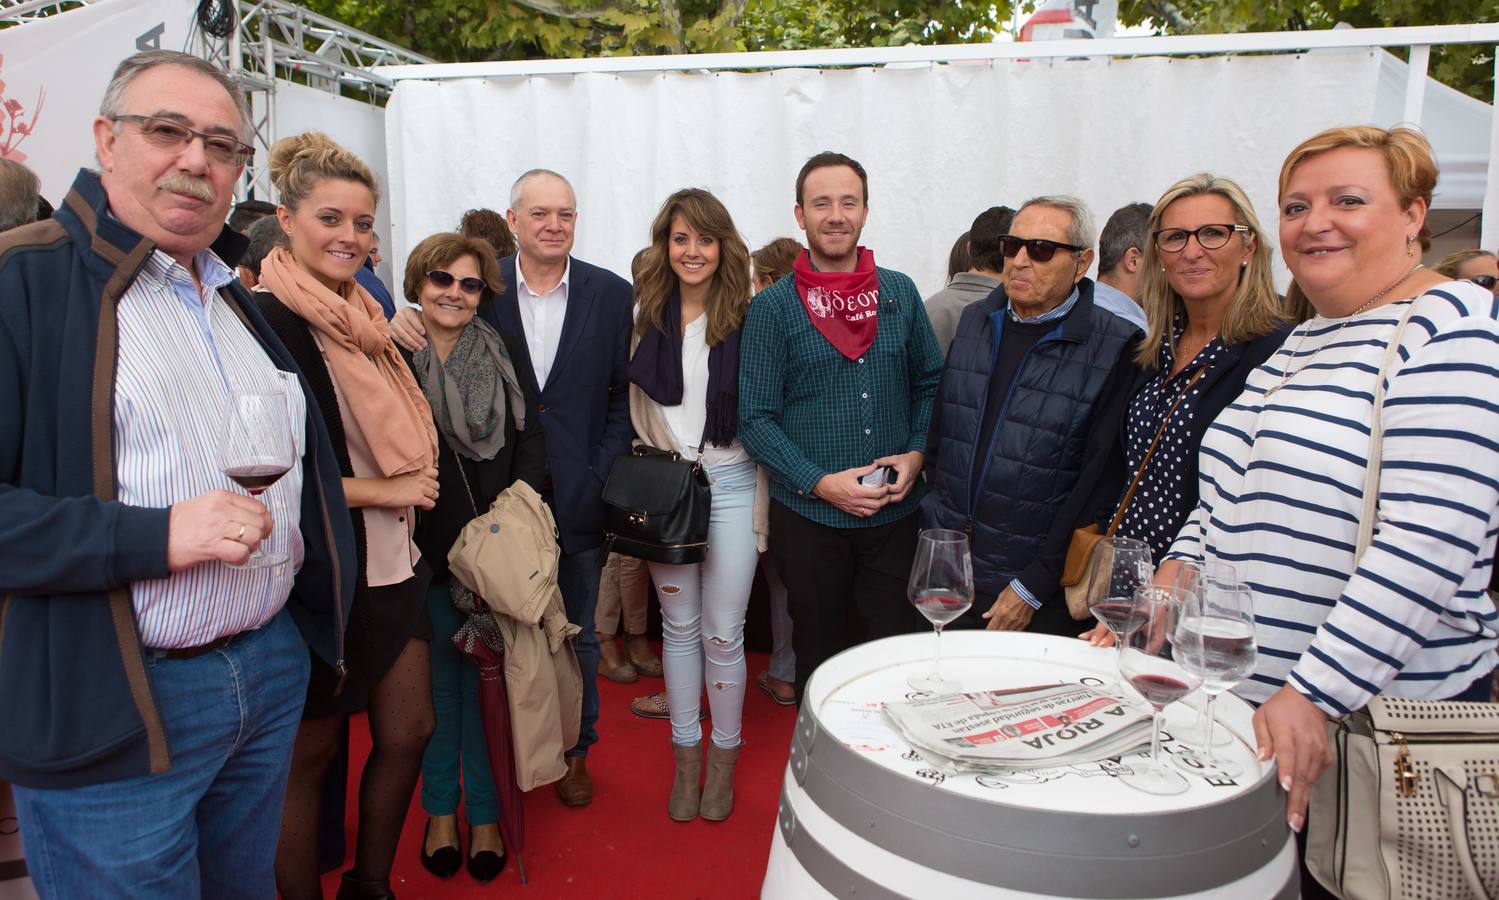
x=702, y=614
x=206, y=827
x=578, y=576
x=458, y=741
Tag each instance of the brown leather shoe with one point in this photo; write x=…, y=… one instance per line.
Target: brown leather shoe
x=642, y=657
x=576, y=788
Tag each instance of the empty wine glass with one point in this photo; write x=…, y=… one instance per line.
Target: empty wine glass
x=255, y=450
x=1196, y=576
x=1154, y=660
x=1222, y=616
x=1127, y=562
x=941, y=587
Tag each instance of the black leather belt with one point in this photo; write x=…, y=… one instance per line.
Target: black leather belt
x=193, y=652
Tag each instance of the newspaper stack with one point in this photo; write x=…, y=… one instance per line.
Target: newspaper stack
x=1026, y=728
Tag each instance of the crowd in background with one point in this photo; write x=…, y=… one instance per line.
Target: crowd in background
x=835, y=411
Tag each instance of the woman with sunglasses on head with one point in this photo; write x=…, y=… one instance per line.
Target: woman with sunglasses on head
x=1214, y=317
x=691, y=295
x=382, y=431
x=1478, y=266
x=1284, y=468
x=487, y=442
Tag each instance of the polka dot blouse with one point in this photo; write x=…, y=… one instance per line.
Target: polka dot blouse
x=1150, y=516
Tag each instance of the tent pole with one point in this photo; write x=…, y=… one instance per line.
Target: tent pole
x=1490, y=234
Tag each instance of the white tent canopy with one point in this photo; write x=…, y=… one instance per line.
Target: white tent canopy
x=941, y=142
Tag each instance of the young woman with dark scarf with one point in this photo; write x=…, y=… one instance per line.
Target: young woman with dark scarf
x=691, y=294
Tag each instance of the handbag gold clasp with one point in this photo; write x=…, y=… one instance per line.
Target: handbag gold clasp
x=1406, y=779
x=637, y=519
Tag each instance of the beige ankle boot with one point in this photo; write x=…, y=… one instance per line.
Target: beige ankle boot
x=685, y=792
x=718, y=789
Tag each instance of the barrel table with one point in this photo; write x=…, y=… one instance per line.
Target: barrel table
x=862, y=815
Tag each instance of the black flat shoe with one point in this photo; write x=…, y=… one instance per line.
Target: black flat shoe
x=486, y=865
x=444, y=863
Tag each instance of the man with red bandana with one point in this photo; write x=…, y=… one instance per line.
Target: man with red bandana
x=837, y=377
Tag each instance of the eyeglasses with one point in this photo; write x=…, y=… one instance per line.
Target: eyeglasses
x=1209, y=237
x=1486, y=281
x=221, y=149
x=444, y=280
x=1038, y=249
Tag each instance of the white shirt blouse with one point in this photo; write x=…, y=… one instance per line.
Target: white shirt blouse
x=688, y=418
x=541, y=316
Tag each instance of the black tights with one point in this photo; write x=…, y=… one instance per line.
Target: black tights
x=401, y=722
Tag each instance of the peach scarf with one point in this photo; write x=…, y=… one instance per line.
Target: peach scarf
x=379, y=389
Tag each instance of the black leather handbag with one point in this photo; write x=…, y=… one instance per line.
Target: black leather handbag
x=656, y=507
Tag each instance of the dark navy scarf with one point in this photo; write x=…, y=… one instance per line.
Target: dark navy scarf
x=657, y=368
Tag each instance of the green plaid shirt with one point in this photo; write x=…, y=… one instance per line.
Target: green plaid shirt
x=806, y=410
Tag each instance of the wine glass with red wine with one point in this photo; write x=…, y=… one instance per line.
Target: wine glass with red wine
x=1155, y=658
x=941, y=587
x=255, y=450
x=1128, y=563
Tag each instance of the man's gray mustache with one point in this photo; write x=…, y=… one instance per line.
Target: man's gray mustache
x=197, y=188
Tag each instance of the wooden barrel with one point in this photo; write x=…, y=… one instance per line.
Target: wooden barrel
x=14, y=883
x=862, y=815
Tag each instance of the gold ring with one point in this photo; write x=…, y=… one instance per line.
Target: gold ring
x=241, y=534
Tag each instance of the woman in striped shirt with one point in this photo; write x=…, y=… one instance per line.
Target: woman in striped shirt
x=1282, y=468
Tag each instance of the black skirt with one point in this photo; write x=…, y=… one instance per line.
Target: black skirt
x=382, y=620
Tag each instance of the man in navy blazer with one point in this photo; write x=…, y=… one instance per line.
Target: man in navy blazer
x=575, y=321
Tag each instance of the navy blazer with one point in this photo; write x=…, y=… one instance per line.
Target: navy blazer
x=585, y=404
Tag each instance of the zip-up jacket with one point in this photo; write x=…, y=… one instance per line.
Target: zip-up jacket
x=76, y=706
x=1007, y=495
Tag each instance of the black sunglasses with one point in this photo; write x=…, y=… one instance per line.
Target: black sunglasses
x=1038, y=249
x=1485, y=281
x=444, y=280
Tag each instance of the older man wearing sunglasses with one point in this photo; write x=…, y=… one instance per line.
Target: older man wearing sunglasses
x=1033, y=371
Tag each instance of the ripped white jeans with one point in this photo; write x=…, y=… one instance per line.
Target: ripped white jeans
x=702, y=614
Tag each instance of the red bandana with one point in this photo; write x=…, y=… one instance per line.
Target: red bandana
x=844, y=306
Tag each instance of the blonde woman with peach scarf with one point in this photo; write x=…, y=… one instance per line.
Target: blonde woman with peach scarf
x=382, y=431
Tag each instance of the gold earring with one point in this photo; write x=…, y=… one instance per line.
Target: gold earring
x=1409, y=246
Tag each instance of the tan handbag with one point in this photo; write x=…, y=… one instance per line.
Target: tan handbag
x=1085, y=574
x=1410, y=805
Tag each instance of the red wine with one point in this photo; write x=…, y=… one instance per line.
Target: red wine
x=1119, y=616
x=255, y=479
x=1160, y=690
x=940, y=606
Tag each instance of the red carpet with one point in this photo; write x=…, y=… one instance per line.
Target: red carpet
x=622, y=845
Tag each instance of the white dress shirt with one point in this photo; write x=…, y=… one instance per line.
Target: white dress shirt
x=688, y=419
x=180, y=351
x=541, y=316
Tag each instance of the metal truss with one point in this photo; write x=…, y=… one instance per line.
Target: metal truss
x=22, y=11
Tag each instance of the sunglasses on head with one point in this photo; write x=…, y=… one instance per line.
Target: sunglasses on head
x=1038, y=249
x=444, y=280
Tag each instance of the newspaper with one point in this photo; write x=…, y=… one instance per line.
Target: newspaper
x=1025, y=728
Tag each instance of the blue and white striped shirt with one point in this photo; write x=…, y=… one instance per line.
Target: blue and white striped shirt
x=1282, y=474
x=178, y=354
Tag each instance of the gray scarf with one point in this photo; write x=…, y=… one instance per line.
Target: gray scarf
x=464, y=392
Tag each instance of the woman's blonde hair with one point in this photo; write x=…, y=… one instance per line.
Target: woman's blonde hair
x=300, y=162
x=1453, y=262
x=729, y=293
x=1409, y=161
x=1255, y=309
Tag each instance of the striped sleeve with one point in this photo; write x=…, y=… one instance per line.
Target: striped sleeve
x=1188, y=543
x=1438, y=492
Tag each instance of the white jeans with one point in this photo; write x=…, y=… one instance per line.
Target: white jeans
x=702, y=614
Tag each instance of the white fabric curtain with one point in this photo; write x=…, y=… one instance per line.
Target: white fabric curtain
x=941, y=143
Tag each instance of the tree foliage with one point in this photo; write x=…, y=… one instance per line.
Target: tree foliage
x=1468, y=68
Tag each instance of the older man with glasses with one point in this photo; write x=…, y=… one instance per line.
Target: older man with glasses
x=151, y=681
x=1034, y=371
